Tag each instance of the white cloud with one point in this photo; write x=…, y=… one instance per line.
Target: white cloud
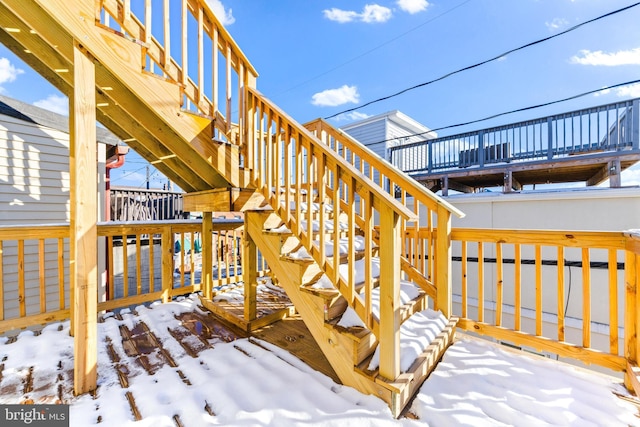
x=622, y=57
x=340, y=15
x=556, y=24
x=334, y=97
x=8, y=72
x=632, y=91
x=413, y=6
x=56, y=103
x=376, y=13
x=631, y=176
x=370, y=13
x=225, y=16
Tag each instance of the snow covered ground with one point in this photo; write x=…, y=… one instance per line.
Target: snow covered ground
x=251, y=383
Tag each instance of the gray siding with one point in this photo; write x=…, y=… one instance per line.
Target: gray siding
x=34, y=173
x=34, y=189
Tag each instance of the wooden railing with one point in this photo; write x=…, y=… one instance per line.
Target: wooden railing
x=34, y=275
x=421, y=263
x=632, y=310
x=292, y=168
x=205, y=51
x=551, y=291
x=145, y=261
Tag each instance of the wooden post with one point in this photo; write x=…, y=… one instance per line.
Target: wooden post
x=250, y=276
x=206, y=280
x=443, y=262
x=389, y=293
x=631, y=319
x=167, y=263
x=83, y=263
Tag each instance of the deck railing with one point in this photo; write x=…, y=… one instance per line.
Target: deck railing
x=610, y=127
x=131, y=204
x=145, y=261
x=34, y=275
x=196, y=52
x=632, y=310
x=421, y=264
x=560, y=292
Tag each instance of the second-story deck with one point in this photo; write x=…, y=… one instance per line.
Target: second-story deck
x=589, y=145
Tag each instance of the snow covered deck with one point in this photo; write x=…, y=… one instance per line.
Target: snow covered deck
x=175, y=365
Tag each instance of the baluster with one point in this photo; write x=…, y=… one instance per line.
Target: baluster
x=42, y=276
x=518, y=286
x=613, y=301
x=586, y=298
x=538, y=255
x=560, y=292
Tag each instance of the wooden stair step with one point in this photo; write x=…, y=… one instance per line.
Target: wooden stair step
x=408, y=383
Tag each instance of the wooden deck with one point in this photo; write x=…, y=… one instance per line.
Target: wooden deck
x=148, y=350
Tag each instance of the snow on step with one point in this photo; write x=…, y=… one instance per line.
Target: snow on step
x=358, y=245
x=328, y=227
x=416, y=333
x=325, y=283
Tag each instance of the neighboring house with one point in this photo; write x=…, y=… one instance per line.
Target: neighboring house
x=34, y=164
x=386, y=130
x=34, y=190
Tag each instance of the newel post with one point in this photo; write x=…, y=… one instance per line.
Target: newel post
x=206, y=281
x=249, y=276
x=390, y=252
x=632, y=316
x=443, y=262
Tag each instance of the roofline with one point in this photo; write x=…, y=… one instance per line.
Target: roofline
x=397, y=117
x=43, y=117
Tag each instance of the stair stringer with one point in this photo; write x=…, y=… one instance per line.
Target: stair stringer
x=337, y=348
x=146, y=100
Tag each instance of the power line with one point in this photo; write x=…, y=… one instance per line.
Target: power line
x=515, y=111
x=355, y=58
x=495, y=58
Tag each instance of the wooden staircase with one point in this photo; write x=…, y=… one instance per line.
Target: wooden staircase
x=305, y=190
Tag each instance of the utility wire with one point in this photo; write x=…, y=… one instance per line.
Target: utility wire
x=355, y=58
x=495, y=58
x=515, y=111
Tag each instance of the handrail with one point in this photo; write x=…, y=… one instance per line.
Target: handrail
x=135, y=19
x=392, y=181
x=292, y=168
x=400, y=178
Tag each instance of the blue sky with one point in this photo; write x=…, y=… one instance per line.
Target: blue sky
x=319, y=57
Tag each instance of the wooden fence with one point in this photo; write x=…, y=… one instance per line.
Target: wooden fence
x=145, y=261
x=549, y=291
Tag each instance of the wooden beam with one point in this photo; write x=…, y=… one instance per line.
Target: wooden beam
x=223, y=200
x=206, y=280
x=84, y=218
x=510, y=182
x=250, y=274
x=443, y=263
x=390, y=251
x=457, y=186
